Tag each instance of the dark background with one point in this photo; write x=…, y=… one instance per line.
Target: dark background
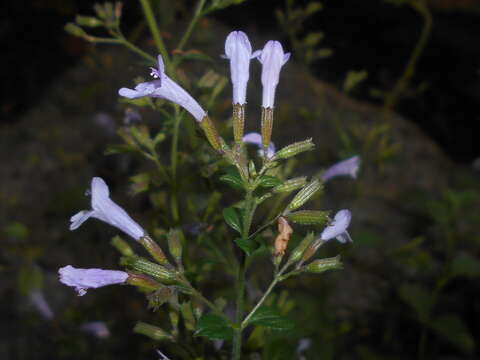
x=369, y=35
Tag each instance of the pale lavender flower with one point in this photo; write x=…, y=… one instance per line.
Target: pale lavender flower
x=38, y=301
x=272, y=58
x=96, y=328
x=239, y=51
x=103, y=208
x=348, y=167
x=83, y=279
x=165, y=88
x=256, y=139
x=338, y=227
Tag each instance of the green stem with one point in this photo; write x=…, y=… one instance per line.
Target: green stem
x=188, y=32
x=196, y=294
x=119, y=39
x=403, y=81
x=242, y=268
x=173, y=165
x=275, y=281
x=154, y=29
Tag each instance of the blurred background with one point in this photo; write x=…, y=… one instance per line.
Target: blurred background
x=395, y=81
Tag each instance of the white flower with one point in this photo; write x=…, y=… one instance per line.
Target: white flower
x=105, y=209
x=348, y=167
x=83, y=279
x=272, y=58
x=239, y=51
x=256, y=139
x=165, y=88
x=338, y=227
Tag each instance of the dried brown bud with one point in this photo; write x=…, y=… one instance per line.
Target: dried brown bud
x=284, y=233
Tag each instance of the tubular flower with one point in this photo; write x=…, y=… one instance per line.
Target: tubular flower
x=165, y=88
x=348, y=167
x=84, y=279
x=103, y=208
x=256, y=139
x=272, y=58
x=338, y=227
x=239, y=51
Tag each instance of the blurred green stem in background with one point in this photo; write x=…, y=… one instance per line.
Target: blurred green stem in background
x=402, y=83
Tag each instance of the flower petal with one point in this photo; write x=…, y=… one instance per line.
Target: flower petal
x=348, y=167
x=256, y=139
x=338, y=226
x=79, y=218
x=83, y=279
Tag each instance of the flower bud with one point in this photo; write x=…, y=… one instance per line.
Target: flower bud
x=154, y=249
x=300, y=249
x=89, y=21
x=290, y=185
x=295, y=149
x=74, y=30
x=151, y=331
x=122, y=246
x=321, y=265
x=175, y=245
x=308, y=217
x=251, y=169
x=142, y=265
x=305, y=194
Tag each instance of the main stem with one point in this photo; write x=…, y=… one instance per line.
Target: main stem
x=247, y=222
x=173, y=165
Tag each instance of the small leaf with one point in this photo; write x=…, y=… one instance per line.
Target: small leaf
x=159, y=138
x=214, y=327
x=88, y=21
x=249, y=246
x=232, y=219
x=418, y=298
x=465, y=265
x=140, y=182
x=268, y=181
x=268, y=316
x=234, y=180
x=454, y=330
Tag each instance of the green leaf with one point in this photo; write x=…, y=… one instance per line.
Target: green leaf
x=454, y=330
x=232, y=219
x=234, y=180
x=418, y=298
x=268, y=181
x=16, y=230
x=88, y=21
x=29, y=278
x=465, y=265
x=249, y=246
x=140, y=182
x=214, y=327
x=269, y=317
